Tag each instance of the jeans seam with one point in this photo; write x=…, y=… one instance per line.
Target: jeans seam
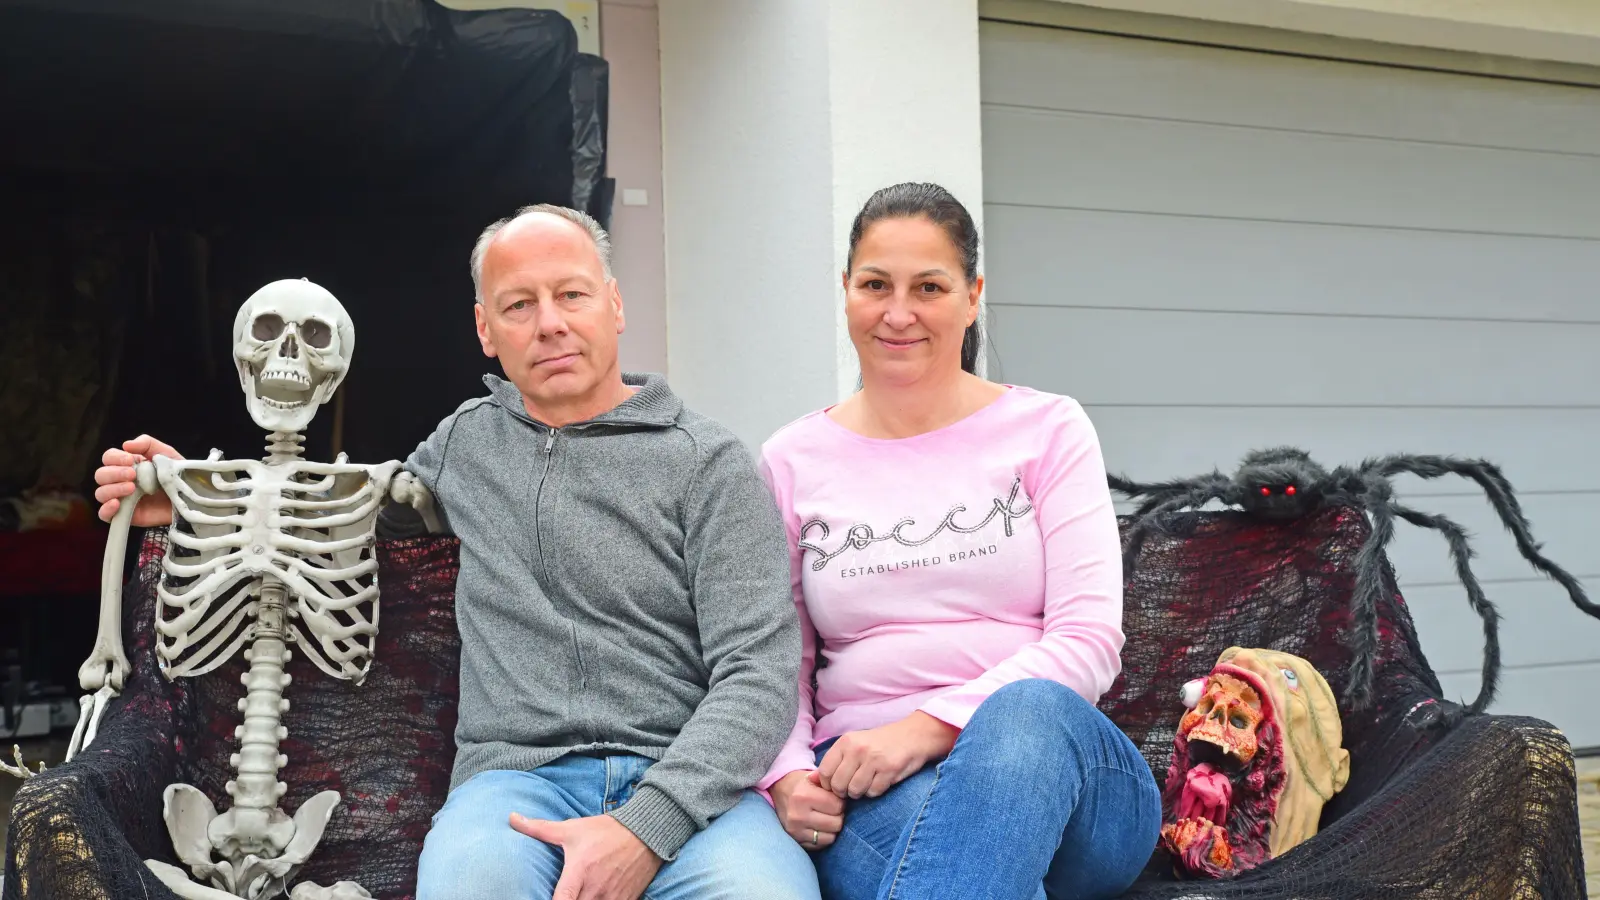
x=850, y=832
x=916, y=823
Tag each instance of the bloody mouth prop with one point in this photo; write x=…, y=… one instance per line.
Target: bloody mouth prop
x=1256, y=756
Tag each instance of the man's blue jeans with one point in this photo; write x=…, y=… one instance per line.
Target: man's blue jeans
x=1041, y=796
x=472, y=851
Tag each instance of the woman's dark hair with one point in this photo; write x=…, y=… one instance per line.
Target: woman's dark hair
x=939, y=206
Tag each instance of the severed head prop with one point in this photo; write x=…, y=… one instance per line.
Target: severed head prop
x=1257, y=755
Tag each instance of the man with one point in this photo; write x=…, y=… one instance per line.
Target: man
x=630, y=646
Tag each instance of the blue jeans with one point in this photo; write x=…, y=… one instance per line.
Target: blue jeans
x=472, y=851
x=1041, y=796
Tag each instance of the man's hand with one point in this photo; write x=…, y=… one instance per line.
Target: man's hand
x=806, y=810
x=868, y=763
x=602, y=859
x=115, y=478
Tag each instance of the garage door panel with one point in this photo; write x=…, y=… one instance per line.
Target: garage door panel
x=1217, y=251
x=1088, y=161
x=1539, y=450
x=1068, y=257
x=1561, y=695
x=1563, y=523
x=1539, y=626
x=1268, y=90
x=1138, y=357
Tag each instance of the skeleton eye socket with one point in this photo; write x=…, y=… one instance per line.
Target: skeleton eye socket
x=1237, y=721
x=267, y=327
x=316, y=333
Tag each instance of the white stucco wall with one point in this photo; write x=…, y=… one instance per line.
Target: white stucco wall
x=630, y=43
x=779, y=119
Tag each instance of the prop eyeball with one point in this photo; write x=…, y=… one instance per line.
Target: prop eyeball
x=1292, y=678
x=1191, y=691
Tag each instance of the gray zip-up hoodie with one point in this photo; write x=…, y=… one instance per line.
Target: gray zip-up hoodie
x=624, y=584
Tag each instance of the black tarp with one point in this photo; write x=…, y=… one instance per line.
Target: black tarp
x=212, y=146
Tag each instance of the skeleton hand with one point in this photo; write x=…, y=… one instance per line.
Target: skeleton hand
x=21, y=769
x=116, y=479
x=407, y=489
x=1200, y=846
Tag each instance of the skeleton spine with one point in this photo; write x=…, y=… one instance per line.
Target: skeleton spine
x=257, y=786
x=283, y=446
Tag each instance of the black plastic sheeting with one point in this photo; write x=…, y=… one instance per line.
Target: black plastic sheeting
x=205, y=109
x=206, y=147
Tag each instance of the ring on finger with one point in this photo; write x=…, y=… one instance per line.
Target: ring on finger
x=815, y=837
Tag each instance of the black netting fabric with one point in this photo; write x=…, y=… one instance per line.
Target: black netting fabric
x=83, y=830
x=1486, y=809
x=1482, y=809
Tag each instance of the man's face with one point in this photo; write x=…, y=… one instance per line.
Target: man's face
x=548, y=313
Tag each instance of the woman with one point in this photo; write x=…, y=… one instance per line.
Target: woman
x=955, y=550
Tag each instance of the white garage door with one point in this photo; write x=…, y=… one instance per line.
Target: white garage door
x=1219, y=250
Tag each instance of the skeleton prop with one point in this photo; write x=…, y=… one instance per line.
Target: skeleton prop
x=1257, y=756
x=264, y=554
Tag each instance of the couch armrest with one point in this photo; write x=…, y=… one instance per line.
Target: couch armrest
x=1489, y=812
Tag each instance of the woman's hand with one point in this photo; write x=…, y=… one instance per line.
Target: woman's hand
x=806, y=810
x=868, y=763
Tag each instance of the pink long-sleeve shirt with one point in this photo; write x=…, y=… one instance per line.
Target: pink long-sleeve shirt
x=937, y=568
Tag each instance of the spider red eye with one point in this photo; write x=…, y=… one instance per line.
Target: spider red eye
x=1266, y=491
x=1289, y=490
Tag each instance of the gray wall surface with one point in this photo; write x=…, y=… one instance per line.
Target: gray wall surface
x=1218, y=250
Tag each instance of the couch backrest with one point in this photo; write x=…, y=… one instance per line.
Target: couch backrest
x=387, y=745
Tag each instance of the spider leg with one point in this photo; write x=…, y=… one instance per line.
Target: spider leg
x=1461, y=553
x=1198, y=493
x=1503, y=498
x=1158, y=492
x=1375, y=496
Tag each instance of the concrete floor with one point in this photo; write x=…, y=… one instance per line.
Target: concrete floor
x=1588, y=800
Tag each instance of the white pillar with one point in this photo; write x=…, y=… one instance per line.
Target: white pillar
x=779, y=119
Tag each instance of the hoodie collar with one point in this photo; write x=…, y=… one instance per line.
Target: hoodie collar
x=653, y=403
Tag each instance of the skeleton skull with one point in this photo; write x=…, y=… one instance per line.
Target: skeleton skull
x=1225, y=718
x=292, y=341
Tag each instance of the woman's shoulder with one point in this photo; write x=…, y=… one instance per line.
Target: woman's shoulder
x=1036, y=407
x=798, y=435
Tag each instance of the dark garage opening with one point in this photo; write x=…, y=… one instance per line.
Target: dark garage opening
x=161, y=160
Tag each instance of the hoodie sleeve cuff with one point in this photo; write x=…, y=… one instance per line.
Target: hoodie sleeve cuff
x=657, y=821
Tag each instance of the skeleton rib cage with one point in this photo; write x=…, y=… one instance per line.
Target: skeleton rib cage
x=236, y=523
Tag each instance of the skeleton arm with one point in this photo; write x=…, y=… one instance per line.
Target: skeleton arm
x=408, y=489
x=107, y=664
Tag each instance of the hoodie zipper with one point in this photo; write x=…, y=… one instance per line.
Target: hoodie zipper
x=538, y=505
x=544, y=568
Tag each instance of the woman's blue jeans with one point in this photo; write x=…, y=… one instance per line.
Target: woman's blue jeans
x=1041, y=797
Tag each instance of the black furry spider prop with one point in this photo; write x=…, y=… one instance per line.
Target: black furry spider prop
x=1284, y=482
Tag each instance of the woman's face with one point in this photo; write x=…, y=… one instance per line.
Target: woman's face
x=907, y=302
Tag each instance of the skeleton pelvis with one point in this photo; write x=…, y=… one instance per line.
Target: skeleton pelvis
x=245, y=852
x=257, y=832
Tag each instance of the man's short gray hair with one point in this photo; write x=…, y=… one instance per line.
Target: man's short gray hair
x=602, y=241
